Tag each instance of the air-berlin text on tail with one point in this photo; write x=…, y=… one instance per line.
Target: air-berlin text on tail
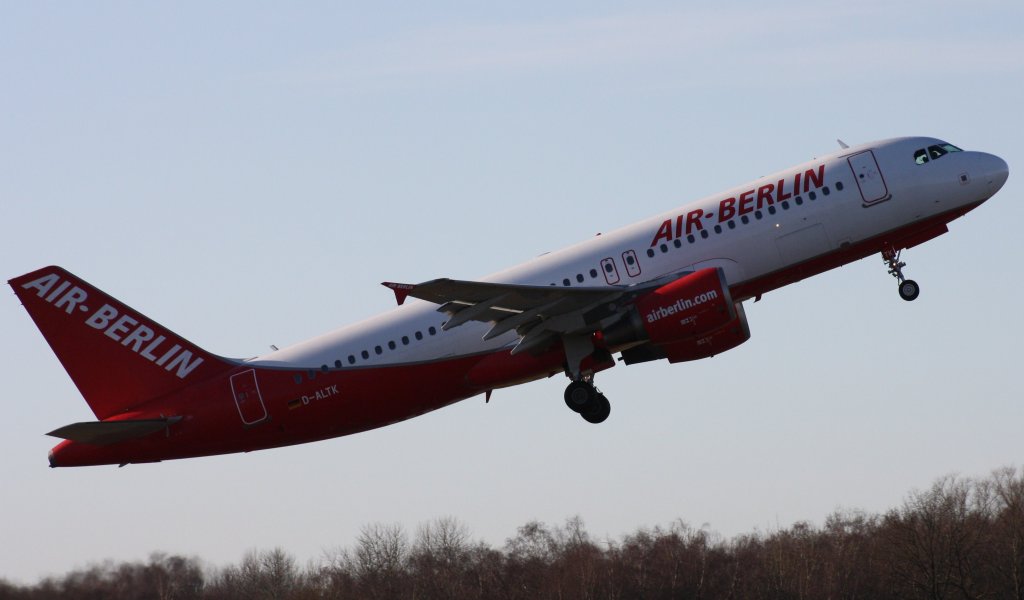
x=747, y=202
x=124, y=328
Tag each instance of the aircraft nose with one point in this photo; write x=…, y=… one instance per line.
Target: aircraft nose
x=997, y=172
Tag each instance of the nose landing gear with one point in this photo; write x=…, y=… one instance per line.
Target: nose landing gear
x=908, y=288
x=582, y=397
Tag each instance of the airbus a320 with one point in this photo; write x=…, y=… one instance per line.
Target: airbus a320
x=670, y=287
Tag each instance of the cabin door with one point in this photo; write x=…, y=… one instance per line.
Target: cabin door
x=869, y=177
x=247, y=397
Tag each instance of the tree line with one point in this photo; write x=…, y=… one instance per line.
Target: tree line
x=961, y=538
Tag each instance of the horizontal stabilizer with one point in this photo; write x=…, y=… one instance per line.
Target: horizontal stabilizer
x=102, y=433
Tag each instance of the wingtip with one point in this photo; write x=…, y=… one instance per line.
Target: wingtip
x=401, y=290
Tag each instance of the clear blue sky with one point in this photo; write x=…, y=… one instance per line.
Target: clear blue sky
x=247, y=173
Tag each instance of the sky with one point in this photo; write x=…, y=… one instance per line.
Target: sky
x=246, y=173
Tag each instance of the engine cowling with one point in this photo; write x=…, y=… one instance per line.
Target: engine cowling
x=724, y=338
x=694, y=305
x=690, y=318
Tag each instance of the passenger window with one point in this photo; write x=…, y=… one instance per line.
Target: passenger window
x=419, y=335
x=650, y=254
x=351, y=359
x=921, y=156
x=391, y=345
x=405, y=340
x=337, y=364
x=432, y=331
x=579, y=277
x=365, y=355
x=378, y=350
x=565, y=282
x=593, y=273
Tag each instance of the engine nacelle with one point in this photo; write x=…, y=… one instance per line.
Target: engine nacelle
x=724, y=338
x=691, y=306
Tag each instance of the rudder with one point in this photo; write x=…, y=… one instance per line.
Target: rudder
x=117, y=357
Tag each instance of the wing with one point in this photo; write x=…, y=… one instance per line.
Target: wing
x=538, y=314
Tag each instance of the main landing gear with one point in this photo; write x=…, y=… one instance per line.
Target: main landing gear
x=909, y=290
x=582, y=397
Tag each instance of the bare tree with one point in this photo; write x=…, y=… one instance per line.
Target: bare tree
x=935, y=538
x=961, y=538
x=1007, y=489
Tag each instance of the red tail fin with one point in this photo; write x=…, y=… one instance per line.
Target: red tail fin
x=117, y=357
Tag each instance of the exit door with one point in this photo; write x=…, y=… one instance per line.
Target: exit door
x=869, y=177
x=247, y=397
x=611, y=272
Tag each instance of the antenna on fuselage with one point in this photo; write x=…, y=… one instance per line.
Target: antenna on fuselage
x=842, y=144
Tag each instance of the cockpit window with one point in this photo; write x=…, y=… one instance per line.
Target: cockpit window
x=935, y=152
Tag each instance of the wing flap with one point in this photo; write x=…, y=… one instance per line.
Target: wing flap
x=497, y=302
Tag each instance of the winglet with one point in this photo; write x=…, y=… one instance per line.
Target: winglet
x=401, y=290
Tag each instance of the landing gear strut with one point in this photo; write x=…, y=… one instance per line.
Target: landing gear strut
x=582, y=397
x=908, y=288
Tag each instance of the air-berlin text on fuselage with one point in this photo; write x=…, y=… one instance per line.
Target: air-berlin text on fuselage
x=747, y=202
x=679, y=306
x=123, y=328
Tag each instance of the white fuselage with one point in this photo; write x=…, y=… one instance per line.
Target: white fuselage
x=787, y=229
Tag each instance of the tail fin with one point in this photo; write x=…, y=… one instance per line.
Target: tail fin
x=117, y=357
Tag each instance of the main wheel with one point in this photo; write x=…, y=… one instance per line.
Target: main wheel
x=578, y=395
x=909, y=289
x=599, y=412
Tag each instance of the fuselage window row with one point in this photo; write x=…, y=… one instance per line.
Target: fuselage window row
x=379, y=350
x=704, y=234
x=744, y=219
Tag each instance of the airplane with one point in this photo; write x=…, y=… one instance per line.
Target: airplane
x=670, y=287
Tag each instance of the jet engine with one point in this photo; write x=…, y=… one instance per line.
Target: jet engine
x=690, y=318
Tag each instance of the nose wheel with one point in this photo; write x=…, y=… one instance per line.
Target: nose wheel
x=582, y=397
x=908, y=288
